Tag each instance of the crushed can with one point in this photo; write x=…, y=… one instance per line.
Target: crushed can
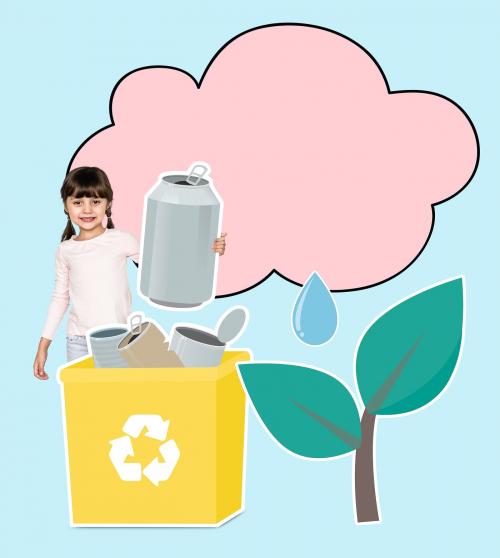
x=180, y=224
x=145, y=346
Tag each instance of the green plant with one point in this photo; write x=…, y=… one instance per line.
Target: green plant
x=403, y=362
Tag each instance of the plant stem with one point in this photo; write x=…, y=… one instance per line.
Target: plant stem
x=364, y=478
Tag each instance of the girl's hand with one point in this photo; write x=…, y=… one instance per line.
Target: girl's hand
x=40, y=359
x=219, y=244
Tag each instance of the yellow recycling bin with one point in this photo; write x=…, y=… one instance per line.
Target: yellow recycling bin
x=154, y=446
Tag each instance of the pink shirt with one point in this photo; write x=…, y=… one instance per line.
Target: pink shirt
x=92, y=275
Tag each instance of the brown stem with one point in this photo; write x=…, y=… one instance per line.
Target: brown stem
x=364, y=478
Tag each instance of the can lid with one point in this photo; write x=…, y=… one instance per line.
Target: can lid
x=231, y=324
x=194, y=177
x=135, y=323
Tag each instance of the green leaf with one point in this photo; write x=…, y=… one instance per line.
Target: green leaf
x=307, y=411
x=408, y=355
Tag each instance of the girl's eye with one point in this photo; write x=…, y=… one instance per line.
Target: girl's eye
x=77, y=202
x=97, y=202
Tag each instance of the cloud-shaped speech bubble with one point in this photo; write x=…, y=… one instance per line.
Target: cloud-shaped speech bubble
x=320, y=167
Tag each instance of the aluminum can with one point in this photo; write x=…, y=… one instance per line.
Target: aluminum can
x=146, y=347
x=181, y=222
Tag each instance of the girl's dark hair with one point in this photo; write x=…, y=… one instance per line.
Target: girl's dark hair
x=86, y=182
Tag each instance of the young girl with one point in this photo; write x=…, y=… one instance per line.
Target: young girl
x=91, y=270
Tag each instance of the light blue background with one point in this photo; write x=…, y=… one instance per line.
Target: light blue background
x=437, y=470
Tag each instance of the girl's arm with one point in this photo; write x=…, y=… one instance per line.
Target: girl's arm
x=132, y=248
x=60, y=297
x=57, y=308
x=40, y=359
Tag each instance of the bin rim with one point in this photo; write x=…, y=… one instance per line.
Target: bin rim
x=82, y=371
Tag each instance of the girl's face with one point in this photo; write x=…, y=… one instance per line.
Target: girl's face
x=87, y=213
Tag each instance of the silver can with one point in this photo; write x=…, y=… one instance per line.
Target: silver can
x=104, y=344
x=181, y=223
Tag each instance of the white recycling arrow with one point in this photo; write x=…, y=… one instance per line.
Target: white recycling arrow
x=121, y=448
x=156, y=471
x=157, y=427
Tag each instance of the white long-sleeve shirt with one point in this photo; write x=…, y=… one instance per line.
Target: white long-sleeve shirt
x=92, y=276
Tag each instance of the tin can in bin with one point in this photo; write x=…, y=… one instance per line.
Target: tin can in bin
x=145, y=346
x=104, y=344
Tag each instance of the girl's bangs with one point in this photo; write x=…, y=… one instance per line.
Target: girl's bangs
x=89, y=191
x=86, y=182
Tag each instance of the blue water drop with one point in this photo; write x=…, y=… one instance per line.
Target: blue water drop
x=314, y=316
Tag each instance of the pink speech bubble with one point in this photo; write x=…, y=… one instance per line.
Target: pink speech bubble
x=319, y=166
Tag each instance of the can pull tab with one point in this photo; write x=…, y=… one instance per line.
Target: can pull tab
x=135, y=324
x=195, y=177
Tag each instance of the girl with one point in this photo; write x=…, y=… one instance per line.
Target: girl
x=91, y=268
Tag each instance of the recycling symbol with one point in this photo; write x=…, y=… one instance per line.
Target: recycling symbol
x=121, y=448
